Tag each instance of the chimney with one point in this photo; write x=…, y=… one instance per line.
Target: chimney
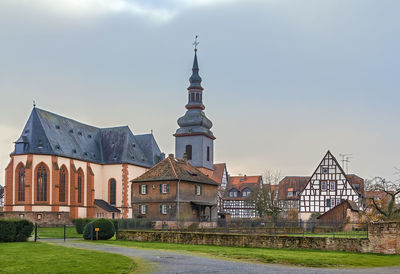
x=185, y=158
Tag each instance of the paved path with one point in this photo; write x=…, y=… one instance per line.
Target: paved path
x=167, y=262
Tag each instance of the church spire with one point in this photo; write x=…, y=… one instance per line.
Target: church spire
x=195, y=89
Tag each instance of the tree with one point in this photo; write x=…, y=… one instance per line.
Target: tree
x=265, y=198
x=383, y=201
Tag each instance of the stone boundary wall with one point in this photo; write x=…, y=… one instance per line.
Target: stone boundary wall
x=44, y=218
x=246, y=240
x=383, y=238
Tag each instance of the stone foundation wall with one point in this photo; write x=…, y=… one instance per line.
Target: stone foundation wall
x=246, y=240
x=41, y=218
x=383, y=238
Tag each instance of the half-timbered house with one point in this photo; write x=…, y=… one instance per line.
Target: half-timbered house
x=237, y=193
x=328, y=187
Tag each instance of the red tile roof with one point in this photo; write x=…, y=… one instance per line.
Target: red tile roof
x=217, y=174
x=241, y=182
x=295, y=183
x=171, y=169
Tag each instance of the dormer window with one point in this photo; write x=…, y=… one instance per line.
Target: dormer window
x=233, y=193
x=246, y=192
x=290, y=192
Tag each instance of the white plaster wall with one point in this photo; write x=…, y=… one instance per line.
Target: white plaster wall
x=18, y=208
x=112, y=171
x=81, y=212
x=41, y=208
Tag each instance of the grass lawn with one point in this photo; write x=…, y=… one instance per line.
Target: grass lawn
x=57, y=232
x=309, y=258
x=30, y=257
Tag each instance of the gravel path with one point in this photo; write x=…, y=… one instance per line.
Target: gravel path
x=173, y=262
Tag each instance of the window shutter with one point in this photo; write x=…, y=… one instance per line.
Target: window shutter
x=147, y=208
x=140, y=209
x=140, y=189
x=147, y=189
x=167, y=188
x=161, y=209
x=160, y=188
x=201, y=189
x=168, y=208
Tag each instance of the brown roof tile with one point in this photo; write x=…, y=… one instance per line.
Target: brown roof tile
x=296, y=183
x=171, y=169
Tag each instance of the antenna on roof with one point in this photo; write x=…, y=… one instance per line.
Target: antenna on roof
x=346, y=160
x=34, y=104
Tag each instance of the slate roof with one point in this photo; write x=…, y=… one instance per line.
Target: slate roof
x=171, y=169
x=52, y=134
x=106, y=206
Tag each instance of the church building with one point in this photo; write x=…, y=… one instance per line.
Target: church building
x=61, y=168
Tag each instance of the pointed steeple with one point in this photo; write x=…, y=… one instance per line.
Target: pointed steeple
x=195, y=79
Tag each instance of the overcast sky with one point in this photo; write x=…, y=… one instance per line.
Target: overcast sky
x=284, y=81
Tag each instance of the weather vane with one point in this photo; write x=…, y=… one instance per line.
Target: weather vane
x=34, y=103
x=195, y=43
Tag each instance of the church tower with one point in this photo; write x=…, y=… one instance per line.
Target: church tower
x=194, y=136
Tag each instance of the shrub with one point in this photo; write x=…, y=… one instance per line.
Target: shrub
x=80, y=224
x=107, y=229
x=15, y=230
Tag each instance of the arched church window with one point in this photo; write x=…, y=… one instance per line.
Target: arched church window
x=21, y=183
x=41, y=184
x=188, y=151
x=62, y=184
x=208, y=154
x=80, y=186
x=112, y=192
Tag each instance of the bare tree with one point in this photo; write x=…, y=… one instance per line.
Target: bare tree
x=265, y=197
x=384, y=201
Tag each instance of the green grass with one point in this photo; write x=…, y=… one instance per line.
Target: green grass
x=308, y=258
x=57, y=232
x=30, y=257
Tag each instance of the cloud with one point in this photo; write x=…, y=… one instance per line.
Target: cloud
x=155, y=10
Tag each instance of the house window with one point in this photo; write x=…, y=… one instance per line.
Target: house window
x=164, y=188
x=198, y=190
x=323, y=185
x=188, y=151
x=338, y=201
x=21, y=183
x=332, y=185
x=80, y=187
x=246, y=192
x=41, y=184
x=39, y=216
x=112, y=192
x=290, y=194
x=197, y=97
x=233, y=193
x=357, y=186
x=333, y=201
x=143, y=209
x=208, y=154
x=143, y=189
x=165, y=209
x=328, y=202
x=61, y=185
x=325, y=170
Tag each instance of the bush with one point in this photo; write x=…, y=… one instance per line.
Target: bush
x=107, y=229
x=18, y=230
x=80, y=224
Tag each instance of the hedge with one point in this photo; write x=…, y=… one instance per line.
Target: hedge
x=106, y=229
x=80, y=224
x=15, y=230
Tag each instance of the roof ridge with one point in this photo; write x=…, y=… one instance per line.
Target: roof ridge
x=173, y=168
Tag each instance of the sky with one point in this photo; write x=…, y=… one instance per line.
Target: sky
x=284, y=81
